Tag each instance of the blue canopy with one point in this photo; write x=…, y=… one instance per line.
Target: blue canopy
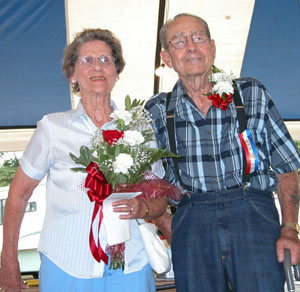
x=32, y=38
x=273, y=53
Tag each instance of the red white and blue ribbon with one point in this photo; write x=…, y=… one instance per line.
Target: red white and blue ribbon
x=250, y=151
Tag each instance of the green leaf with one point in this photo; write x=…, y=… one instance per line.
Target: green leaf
x=84, y=157
x=120, y=125
x=103, y=157
x=148, y=135
x=156, y=155
x=117, y=150
x=100, y=151
x=161, y=153
x=110, y=151
x=135, y=103
x=85, y=154
x=215, y=69
x=127, y=102
x=74, y=158
x=138, y=102
x=95, y=159
x=78, y=169
x=121, y=178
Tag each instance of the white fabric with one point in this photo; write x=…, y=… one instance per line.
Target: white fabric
x=156, y=251
x=65, y=235
x=117, y=230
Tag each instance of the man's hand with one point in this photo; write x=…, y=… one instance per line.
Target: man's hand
x=163, y=223
x=288, y=240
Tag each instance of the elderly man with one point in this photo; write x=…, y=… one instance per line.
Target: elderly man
x=235, y=150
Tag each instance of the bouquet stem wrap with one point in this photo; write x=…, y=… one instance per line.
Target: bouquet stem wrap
x=98, y=191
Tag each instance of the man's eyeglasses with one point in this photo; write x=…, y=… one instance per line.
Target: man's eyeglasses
x=90, y=60
x=180, y=41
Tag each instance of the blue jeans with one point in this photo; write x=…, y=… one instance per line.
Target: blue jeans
x=227, y=237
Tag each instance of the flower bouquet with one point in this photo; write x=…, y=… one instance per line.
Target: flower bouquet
x=119, y=160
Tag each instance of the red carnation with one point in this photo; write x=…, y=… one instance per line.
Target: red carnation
x=112, y=136
x=217, y=101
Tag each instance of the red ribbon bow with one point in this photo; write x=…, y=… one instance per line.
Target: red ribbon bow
x=98, y=191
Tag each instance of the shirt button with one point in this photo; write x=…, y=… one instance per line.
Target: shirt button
x=213, y=157
x=209, y=132
x=216, y=179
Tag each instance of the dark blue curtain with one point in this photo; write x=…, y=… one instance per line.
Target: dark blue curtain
x=32, y=38
x=273, y=52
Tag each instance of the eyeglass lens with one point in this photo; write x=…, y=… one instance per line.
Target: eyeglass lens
x=90, y=60
x=180, y=41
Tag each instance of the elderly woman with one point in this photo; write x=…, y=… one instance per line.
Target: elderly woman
x=92, y=63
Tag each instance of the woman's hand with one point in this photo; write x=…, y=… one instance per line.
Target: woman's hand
x=136, y=208
x=10, y=276
x=20, y=191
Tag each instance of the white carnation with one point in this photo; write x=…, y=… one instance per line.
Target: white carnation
x=122, y=114
x=223, y=86
x=122, y=163
x=133, y=138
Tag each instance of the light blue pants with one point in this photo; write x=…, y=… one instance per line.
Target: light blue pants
x=52, y=278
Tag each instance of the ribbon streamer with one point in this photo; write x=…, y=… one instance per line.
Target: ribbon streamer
x=250, y=151
x=98, y=191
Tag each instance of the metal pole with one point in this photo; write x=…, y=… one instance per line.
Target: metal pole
x=161, y=18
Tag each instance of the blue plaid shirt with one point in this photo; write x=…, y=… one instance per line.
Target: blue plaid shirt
x=210, y=149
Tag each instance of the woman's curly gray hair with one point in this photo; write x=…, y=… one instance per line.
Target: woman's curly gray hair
x=71, y=51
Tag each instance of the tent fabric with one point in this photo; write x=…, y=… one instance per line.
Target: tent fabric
x=272, y=53
x=33, y=35
x=32, y=38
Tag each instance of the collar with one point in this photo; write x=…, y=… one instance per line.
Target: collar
x=180, y=100
x=178, y=96
x=79, y=111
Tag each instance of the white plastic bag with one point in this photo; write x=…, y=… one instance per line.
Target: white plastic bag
x=156, y=250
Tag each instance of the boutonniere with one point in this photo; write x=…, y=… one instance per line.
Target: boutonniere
x=222, y=90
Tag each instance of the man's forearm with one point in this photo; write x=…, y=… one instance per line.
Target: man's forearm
x=288, y=195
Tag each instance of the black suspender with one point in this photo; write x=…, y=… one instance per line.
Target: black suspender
x=241, y=116
x=171, y=134
x=242, y=119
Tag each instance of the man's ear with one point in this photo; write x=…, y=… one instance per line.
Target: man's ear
x=213, y=46
x=166, y=58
